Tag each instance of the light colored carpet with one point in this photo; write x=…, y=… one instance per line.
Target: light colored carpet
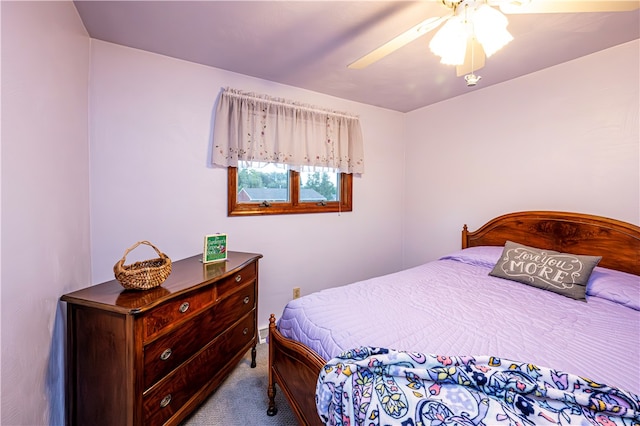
x=242, y=399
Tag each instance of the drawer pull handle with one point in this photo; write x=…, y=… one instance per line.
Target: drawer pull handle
x=246, y=300
x=245, y=331
x=166, y=354
x=238, y=278
x=184, y=307
x=165, y=401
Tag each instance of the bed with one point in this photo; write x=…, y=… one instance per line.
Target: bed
x=595, y=338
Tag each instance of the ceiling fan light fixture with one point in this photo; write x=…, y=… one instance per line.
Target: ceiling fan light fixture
x=450, y=42
x=490, y=28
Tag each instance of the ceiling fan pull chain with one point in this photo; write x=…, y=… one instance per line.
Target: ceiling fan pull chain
x=473, y=34
x=472, y=52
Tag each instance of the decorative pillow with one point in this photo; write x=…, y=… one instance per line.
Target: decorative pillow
x=562, y=273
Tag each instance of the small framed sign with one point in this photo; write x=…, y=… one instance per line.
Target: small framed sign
x=215, y=248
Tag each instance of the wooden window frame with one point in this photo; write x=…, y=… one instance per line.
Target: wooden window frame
x=294, y=205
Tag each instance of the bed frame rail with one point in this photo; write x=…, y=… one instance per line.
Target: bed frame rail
x=295, y=369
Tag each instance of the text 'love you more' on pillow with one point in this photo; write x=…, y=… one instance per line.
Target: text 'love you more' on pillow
x=561, y=273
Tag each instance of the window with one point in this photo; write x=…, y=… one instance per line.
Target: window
x=285, y=157
x=261, y=189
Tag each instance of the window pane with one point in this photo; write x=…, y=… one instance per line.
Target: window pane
x=319, y=184
x=258, y=182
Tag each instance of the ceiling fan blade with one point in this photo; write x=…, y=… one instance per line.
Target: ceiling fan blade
x=471, y=63
x=403, y=39
x=568, y=6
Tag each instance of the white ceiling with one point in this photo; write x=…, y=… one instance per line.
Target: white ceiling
x=308, y=44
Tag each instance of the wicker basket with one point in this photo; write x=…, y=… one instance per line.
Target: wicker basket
x=145, y=274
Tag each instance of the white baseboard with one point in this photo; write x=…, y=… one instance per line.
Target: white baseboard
x=262, y=334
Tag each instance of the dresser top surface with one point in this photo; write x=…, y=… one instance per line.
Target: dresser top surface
x=186, y=274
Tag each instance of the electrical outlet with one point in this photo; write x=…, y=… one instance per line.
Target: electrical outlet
x=296, y=292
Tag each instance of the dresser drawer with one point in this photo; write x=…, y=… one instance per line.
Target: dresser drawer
x=232, y=283
x=168, y=352
x=168, y=396
x=176, y=310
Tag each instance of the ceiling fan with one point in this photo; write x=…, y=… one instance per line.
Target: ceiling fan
x=474, y=29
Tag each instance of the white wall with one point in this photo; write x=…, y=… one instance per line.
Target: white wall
x=565, y=138
x=45, y=200
x=151, y=124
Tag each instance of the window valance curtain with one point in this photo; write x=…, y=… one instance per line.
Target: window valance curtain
x=258, y=128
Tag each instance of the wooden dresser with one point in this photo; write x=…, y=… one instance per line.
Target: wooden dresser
x=151, y=357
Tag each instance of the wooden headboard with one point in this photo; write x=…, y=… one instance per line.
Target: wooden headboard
x=617, y=242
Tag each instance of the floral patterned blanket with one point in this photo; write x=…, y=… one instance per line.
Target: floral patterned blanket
x=377, y=386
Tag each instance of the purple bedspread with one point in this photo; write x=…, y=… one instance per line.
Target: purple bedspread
x=453, y=307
